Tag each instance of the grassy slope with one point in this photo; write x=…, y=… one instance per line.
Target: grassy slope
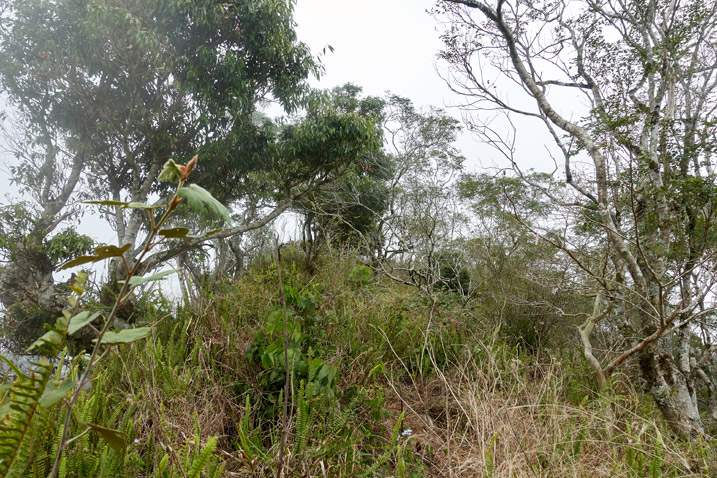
x=372, y=361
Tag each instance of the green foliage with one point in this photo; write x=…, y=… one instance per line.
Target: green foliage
x=29, y=392
x=199, y=199
x=34, y=390
x=171, y=173
x=66, y=245
x=19, y=237
x=453, y=271
x=22, y=323
x=21, y=409
x=305, y=334
x=360, y=275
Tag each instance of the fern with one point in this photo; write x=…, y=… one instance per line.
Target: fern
x=24, y=402
x=302, y=419
x=338, y=422
x=201, y=461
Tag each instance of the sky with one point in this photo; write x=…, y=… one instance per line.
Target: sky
x=378, y=44
x=391, y=45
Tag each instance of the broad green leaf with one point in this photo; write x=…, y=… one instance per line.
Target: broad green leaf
x=175, y=232
x=126, y=336
x=80, y=320
x=54, y=394
x=171, y=173
x=77, y=290
x=4, y=410
x=105, y=252
x=107, y=203
x=80, y=260
x=153, y=277
x=61, y=323
x=275, y=321
x=51, y=337
x=114, y=438
x=102, y=252
x=199, y=198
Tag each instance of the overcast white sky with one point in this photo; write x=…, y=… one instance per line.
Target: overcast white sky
x=379, y=44
x=382, y=45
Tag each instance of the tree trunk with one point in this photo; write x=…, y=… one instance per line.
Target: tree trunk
x=671, y=389
x=30, y=297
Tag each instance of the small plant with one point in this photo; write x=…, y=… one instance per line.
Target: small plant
x=303, y=328
x=33, y=393
x=360, y=276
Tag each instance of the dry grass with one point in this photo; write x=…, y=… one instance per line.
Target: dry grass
x=493, y=414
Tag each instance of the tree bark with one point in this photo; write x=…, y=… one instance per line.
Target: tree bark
x=670, y=389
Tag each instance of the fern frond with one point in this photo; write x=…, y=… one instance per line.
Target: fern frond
x=199, y=463
x=302, y=420
x=24, y=402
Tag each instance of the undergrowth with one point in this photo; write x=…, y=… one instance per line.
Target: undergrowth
x=384, y=382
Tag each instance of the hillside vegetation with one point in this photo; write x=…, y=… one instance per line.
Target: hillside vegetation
x=429, y=317
x=385, y=381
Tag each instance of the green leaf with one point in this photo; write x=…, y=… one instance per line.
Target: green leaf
x=79, y=261
x=174, y=233
x=105, y=252
x=54, y=394
x=141, y=205
x=102, y=252
x=199, y=198
x=51, y=337
x=80, y=320
x=153, y=277
x=171, y=173
x=114, y=438
x=126, y=336
x=107, y=203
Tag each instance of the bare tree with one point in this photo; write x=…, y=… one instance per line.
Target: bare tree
x=637, y=154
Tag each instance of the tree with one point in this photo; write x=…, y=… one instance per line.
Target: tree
x=345, y=212
x=423, y=217
x=106, y=92
x=523, y=284
x=399, y=208
x=644, y=193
